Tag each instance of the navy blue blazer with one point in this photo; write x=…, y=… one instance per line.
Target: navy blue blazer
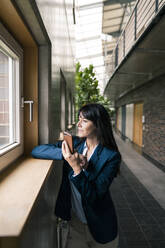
x=93, y=185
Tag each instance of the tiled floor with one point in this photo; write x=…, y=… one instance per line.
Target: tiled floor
x=141, y=218
x=147, y=173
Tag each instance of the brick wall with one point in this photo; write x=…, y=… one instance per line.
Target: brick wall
x=152, y=94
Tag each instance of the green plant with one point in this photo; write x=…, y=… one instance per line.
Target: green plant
x=87, y=90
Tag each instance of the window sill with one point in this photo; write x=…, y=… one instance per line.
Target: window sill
x=19, y=189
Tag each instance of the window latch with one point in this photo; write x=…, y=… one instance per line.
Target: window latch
x=30, y=108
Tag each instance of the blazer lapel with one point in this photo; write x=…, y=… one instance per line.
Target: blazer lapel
x=95, y=163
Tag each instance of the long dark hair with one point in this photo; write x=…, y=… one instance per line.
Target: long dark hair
x=101, y=119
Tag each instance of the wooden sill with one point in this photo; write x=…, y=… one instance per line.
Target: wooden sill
x=19, y=189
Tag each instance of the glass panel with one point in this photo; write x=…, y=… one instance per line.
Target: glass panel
x=89, y=36
x=6, y=97
x=87, y=2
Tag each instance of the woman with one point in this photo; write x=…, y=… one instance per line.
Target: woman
x=84, y=198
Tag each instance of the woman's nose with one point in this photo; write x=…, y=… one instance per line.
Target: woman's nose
x=78, y=123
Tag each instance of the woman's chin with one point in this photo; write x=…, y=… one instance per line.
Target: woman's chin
x=80, y=135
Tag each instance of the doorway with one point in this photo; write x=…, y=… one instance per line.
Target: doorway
x=138, y=125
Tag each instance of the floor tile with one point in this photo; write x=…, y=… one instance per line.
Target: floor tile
x=145, y=219
x=153, y=232
x=136, y=238
x=157, y=244
x=124, y=212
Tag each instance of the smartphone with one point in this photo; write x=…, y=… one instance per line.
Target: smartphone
x=69, y=140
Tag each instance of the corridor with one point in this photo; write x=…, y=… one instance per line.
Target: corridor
x=141, y=216
x=41, y=42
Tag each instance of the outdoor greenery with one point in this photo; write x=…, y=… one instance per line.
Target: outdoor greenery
x=87, y=90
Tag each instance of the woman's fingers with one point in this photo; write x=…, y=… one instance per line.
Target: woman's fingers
x=83, y=161
x=76, y=159
x=83, y=158
x=76, y=154
x=65, y=150
x=66, y=147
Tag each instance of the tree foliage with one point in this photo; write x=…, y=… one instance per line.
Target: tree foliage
x=87, y=90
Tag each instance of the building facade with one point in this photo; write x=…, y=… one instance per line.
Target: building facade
x=137, y=80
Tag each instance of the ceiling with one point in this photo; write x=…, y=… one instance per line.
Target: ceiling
x=98, y=25
x=144, y=62
x=115, y=16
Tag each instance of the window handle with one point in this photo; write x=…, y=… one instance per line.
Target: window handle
x=30, y=108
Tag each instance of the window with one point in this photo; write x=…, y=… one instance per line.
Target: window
x=11, y=114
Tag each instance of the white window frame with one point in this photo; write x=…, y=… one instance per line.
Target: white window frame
x=11, y=47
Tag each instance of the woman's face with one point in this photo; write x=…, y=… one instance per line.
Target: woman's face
x=86, y=128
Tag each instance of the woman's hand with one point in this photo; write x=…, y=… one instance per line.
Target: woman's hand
x=76, y=161
x=83, y=161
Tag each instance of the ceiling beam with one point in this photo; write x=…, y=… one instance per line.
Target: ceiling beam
x=113, y=18
x=109, y=2
x=136, y=73
x=148, y=50
x=90, y=38
x=90, y=6
x=91, y=56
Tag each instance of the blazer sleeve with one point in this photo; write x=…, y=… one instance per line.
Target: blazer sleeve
x=48, y=151
x=52, y=151
x=92, y=191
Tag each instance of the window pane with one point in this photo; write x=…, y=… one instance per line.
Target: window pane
x=6, y=100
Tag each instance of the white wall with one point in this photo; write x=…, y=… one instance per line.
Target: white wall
x=119, y=116
x=129, y=121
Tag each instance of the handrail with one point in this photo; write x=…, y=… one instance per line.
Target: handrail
x=136, y=25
